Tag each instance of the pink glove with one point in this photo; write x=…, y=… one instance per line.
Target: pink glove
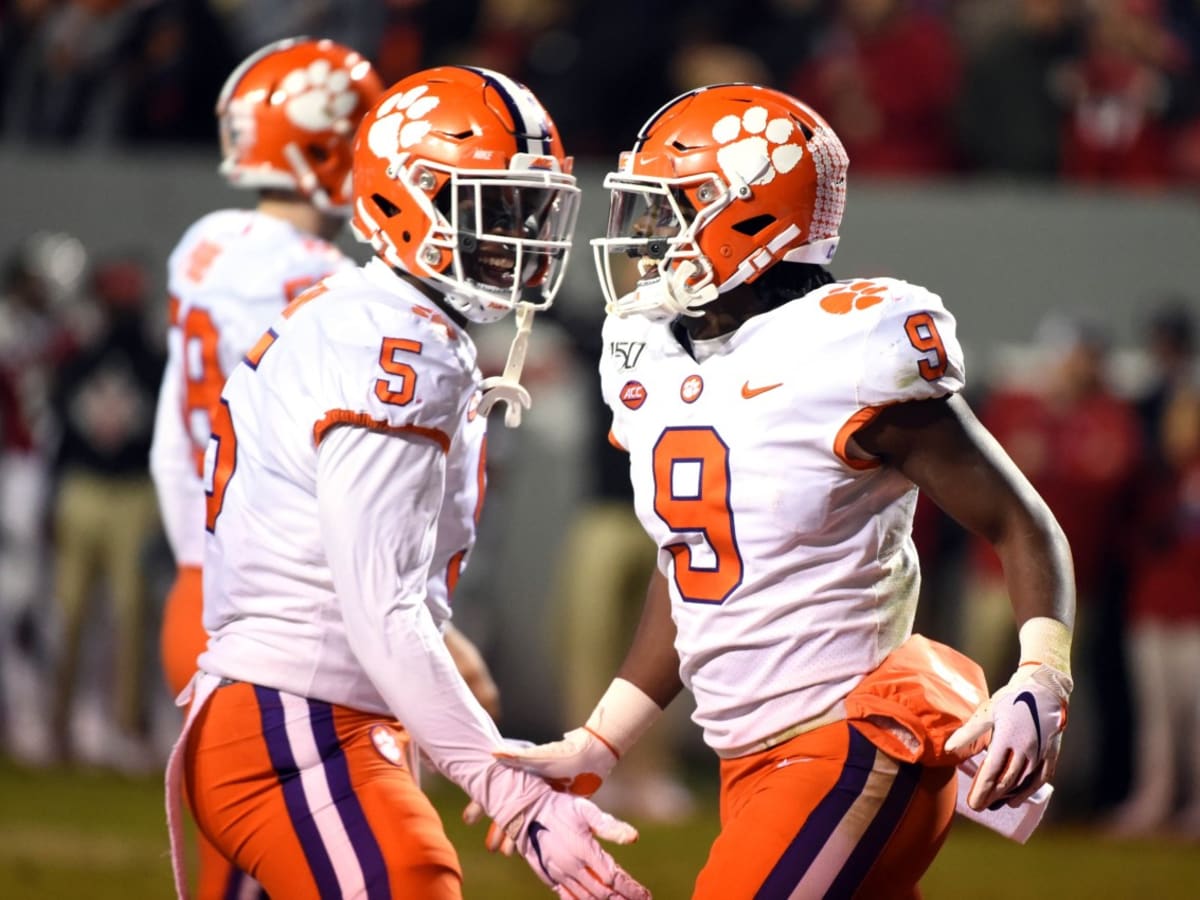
x=557, y=836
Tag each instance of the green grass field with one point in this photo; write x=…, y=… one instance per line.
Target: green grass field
x=67, y=835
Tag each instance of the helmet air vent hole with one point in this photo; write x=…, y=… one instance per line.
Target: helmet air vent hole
x=386, y=206
x=808, y=132
x=753, y=225
x=318, y=153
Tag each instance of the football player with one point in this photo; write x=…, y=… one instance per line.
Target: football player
x=287, y=117
x=779, y=425
x=341, y=481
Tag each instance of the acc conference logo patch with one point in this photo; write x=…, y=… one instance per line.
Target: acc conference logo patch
x=633, y=394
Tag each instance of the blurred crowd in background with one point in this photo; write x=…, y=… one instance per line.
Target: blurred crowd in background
x=1066, y=90
x=1091, y=90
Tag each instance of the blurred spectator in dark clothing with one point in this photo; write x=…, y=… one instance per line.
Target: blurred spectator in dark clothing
x=1162, y=643
x=172, y=60
x=354, y=23
x=1171, y=348
x=1123, y=92
x=40, y=279
x=1010, y=115
x=105, y=512
x=886, y=77
x=601, y=70
x=1080, y=445
x=60, y=63
x=417, y=34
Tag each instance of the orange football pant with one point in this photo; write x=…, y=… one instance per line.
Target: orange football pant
x=314, y=800
x=826, y=815
x=182, y=639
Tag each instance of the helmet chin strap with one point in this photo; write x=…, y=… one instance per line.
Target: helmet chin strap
x=507, y=387
x=687, y=299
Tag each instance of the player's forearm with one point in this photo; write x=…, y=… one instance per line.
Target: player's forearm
x=652, y=663
x=1038, y=570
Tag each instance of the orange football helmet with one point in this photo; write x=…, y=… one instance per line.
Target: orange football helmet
x=460, y=180
x=288, y=114
x=722, y=183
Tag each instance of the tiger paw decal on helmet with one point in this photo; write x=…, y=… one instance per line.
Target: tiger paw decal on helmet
x=400, y=122
x=287, y=119
x=756, y=147
x=320, y=97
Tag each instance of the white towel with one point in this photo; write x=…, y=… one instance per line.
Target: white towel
x=1015, y=822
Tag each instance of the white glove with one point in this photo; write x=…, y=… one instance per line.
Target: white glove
x=579, y=763
x=557, y=836
x=1026, y=718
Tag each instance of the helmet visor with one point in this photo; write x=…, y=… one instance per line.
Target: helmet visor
x=513, y=233
x=643, y=218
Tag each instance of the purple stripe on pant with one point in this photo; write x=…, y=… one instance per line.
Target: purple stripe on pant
x=354, y=820
x=817, y=828
x=280, y=751
x=882, y=827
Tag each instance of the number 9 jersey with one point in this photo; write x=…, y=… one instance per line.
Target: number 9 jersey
x=791, y=564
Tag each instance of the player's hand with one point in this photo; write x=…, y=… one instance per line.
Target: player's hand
x=1026, y=719
x=557, y=836
x=496, y=840
x=578, y=764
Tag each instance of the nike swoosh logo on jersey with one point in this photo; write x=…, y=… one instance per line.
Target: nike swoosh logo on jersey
x=1028, y=699
x=535, y=827
x=748, y=392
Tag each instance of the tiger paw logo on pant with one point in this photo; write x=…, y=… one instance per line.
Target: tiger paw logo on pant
x=387, y=745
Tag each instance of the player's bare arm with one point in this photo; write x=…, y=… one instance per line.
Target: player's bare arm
x=944, y=449
x=651, y=662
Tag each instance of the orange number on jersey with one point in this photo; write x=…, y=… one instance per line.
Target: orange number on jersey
x=923, y=335
x=202, y=376
x=200, y=260
x=691, y=494
x=403, y=393
x=224, y=462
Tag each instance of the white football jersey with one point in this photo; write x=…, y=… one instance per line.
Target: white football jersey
x=791, y=566
x=228, y=278
x=363, y=350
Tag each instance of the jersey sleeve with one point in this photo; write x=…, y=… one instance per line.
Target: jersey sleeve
x=380, y=563
x=178, y=487
x=912, y=352
x=394, y=375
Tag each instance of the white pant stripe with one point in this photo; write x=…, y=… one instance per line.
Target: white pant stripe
x=320, y=802
x=845, y=838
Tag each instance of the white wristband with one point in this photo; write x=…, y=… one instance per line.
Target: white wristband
x=622, y=716
x=1046, y=641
